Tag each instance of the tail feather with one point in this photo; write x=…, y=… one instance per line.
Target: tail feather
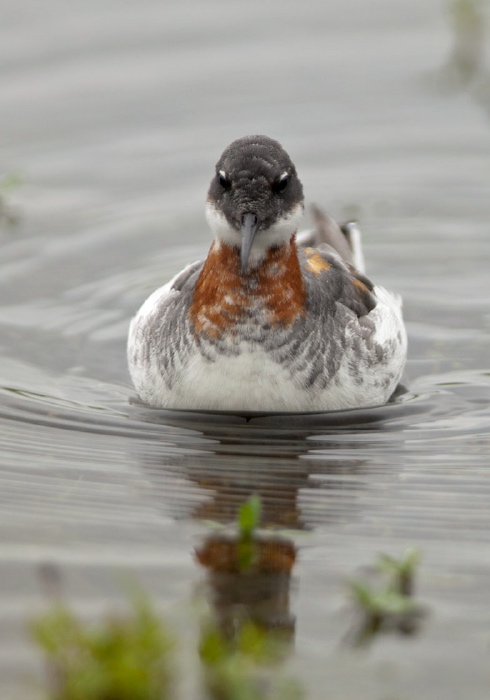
x=353, y=234
x=345, y=239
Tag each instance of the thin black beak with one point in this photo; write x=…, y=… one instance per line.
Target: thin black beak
x=250, y=224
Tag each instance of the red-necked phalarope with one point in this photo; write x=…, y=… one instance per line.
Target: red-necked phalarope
x=267, y=323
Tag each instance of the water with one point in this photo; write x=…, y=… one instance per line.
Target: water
x=114, y=114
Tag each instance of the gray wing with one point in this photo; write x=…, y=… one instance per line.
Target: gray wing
x=331, y=280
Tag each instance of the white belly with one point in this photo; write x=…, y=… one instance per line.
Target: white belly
x=251, y=381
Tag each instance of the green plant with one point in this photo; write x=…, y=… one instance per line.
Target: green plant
x=122, y=658
x=380, y=604
x=401, y=571
x=248, y=520
x=249, y=516
x=8, y=185
x=240, y=668
x=10, y=182
x=389, y=605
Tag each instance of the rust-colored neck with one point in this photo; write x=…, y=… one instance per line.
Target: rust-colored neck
x=224, y=296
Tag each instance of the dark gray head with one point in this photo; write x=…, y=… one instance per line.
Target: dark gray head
x=255, y=199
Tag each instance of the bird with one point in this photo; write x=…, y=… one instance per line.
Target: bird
x=271, y=320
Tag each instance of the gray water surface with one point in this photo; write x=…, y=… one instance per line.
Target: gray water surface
x=113, y=114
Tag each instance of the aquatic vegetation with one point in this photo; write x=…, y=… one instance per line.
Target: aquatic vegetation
x=244, y=639
x=244, y=667
x=466, y=67
x=387, y=605
x=121, y=658
x=250, y=628
x=249, y=575
x=249, y=516
x=248, y=521
x=247, y=550
x=130, y=657
x=402, y=571
x=467, y=57
x=8, y=185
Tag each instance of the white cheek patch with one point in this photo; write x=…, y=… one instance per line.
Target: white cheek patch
x=219, y=225
x=285, y=226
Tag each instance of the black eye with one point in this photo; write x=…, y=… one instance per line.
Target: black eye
x=223, y=180
x=281, y=183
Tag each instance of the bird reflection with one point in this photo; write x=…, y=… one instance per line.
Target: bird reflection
x=203, y=466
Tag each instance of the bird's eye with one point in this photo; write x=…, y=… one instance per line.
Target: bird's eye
x=223, y=180
x=281, y=183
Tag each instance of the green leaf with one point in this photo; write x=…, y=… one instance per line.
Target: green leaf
x=249, y=516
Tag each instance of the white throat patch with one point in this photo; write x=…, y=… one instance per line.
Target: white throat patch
x=278, y=234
